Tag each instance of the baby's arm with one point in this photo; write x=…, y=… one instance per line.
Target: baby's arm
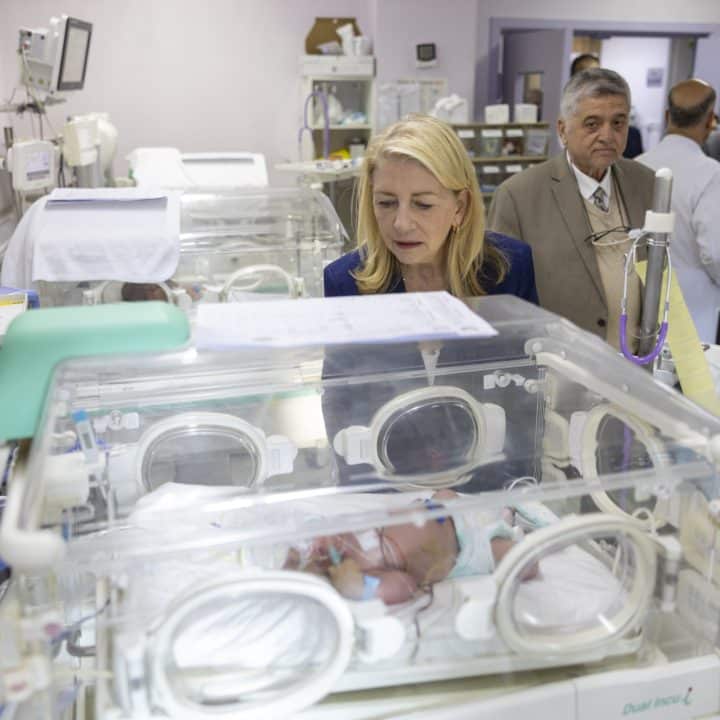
x=391, y=586
x=501, y=546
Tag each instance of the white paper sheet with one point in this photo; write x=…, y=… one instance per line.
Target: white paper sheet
x=112, y=195
x=333, y=321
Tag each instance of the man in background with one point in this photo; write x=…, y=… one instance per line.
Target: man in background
x=634, y=145
x=575, y=209
x=695, y=244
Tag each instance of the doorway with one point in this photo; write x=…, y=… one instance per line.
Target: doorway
x=522, y=47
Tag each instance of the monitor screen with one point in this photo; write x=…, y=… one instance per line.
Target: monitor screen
x=74, y=56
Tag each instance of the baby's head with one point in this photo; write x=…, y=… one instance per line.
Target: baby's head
x=134, y=292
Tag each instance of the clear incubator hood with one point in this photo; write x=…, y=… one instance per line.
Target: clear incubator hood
x=240, y=533
x=205, y=245
x=250, y=243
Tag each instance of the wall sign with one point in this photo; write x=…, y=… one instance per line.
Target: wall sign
x=655, y=77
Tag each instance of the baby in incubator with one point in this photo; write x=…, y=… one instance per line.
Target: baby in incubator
x=391, y=563
x=134, y=292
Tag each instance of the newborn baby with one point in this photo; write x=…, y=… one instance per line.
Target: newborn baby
x=392, y=562
x=135, y=292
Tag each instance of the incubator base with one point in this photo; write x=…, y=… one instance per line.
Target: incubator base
x=661, y=690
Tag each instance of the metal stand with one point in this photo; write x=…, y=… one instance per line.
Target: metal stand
x=657, y=250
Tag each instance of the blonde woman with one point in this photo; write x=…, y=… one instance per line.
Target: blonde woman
x=421, y=222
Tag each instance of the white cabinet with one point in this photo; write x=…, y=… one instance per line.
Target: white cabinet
x=348, y=83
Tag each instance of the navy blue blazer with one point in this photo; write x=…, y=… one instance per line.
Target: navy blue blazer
x=519, y=279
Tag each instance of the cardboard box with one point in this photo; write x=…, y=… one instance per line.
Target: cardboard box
x=323, y=31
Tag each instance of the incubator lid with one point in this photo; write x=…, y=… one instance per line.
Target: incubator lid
x=496, y=417
x=254, y=220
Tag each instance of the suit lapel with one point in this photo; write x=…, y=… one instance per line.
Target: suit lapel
x=570, y=206
x=634, y=201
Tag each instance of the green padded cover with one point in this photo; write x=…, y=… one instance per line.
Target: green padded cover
x=39, y=339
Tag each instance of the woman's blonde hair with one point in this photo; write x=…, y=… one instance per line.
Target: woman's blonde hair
x=438, y=149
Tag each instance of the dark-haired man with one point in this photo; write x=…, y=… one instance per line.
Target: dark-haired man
x=584, y=61
x=695, y=244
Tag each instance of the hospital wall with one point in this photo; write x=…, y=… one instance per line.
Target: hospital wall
x=223, y=75
x=403, y=24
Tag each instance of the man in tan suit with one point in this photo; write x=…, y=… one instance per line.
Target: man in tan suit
x=575, y=209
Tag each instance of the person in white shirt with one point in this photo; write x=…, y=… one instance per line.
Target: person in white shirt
x=695, y=244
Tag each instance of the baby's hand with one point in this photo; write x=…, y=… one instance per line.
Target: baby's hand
x=348, y=579
x=501, y=547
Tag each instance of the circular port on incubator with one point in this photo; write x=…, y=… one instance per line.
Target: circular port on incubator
x=430, y=437
x=434, y=435
x=614, y=443
x=210, y=449
x=204, y=455
x=581, y=585
x=262, y=646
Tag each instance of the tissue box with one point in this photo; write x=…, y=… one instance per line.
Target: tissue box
x=497, y=114
x=526, y=113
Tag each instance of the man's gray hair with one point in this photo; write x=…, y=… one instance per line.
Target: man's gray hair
x=593, y=82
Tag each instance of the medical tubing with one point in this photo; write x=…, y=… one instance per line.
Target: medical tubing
x=326, y=122
x=662, y=334
x=644, y=359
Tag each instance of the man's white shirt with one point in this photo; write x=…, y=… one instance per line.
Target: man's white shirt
x=588, y=185
x=695, y=244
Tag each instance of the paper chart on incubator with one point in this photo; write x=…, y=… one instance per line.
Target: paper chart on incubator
x=335, y=321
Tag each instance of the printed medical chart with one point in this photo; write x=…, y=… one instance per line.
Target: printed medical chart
x=335, y=321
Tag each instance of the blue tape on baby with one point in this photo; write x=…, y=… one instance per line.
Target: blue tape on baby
x=430, y=505
x=370, y=586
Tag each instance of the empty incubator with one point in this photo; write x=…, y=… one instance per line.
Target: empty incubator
x=252, y=533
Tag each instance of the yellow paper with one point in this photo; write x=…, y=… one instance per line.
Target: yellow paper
x=690, y=363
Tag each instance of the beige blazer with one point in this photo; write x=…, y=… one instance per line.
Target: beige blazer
x=543, y=206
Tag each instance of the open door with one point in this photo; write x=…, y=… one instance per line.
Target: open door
x=534, y=69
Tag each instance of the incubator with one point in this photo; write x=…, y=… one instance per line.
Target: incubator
x=88, y=247
x=239, y=534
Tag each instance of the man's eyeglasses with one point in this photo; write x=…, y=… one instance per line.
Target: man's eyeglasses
x=599, y=238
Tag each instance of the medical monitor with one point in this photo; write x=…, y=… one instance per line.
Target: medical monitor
x=74, y=55
x=55, y=59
